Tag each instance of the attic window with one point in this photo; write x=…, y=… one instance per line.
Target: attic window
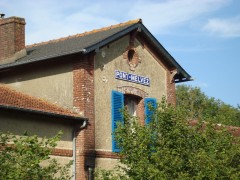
x=131, y=53
x=132, y=57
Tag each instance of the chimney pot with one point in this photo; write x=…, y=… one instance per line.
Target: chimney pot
x=2, y=15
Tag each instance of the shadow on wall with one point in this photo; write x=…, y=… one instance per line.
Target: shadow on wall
x=42, y=126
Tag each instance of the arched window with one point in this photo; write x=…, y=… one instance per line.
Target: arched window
x=136, y=106
x=131, y=103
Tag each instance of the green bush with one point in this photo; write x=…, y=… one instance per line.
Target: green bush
x=169, y=148
x=199, y=106
x=21, y=158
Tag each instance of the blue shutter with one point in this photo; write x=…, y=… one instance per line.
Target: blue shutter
x=148, y=112
x=117, y=105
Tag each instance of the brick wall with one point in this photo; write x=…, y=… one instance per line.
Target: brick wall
x=171, y=94
x=83, y=91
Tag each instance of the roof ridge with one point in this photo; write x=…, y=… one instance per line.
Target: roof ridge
x=25, y=101
x=139, y=20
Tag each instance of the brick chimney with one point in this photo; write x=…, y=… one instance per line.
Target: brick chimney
x=12, y=39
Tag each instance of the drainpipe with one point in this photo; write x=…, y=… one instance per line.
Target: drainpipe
x=84, y=125
x=90, y=173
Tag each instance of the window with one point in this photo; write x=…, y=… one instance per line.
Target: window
x=131, y=102
x=131, y=54
x=133, y=59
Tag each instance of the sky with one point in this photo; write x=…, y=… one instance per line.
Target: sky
x=202, y=35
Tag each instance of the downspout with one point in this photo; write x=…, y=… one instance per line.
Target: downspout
x=75, y=130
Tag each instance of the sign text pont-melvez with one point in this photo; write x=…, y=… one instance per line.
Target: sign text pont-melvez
x=132, y=78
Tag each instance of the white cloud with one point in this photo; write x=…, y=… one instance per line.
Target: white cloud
x=224, y=27
x=56, y=18
x=196, y=83
x=65, y=26
x=202, y=84
x=192, y=49
x=162, y=16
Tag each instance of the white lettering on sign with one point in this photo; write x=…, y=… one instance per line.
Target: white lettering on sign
x=132, y=78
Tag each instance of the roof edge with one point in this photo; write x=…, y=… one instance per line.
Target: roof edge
x=76, y=51
x=110, y=38
x=10, y=97
x=139, y=20
x=134, y=24
x=180, y=70
x=51, y=114
x=42, y=58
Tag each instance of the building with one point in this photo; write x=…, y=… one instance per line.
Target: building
x=64, y=83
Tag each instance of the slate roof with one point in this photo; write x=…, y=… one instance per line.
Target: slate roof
x=15, y=100
x=89, y=41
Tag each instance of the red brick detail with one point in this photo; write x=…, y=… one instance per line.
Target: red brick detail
x=171, y=94
x=234, y=130
x=135, y=60
x=62, y=152
x=12, y=36
x=107, y=154
x=11, y=97
x=83, y=92
x=132, y=90
x=140, y=112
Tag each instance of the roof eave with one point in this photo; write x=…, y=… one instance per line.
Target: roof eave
x=110, y=39
x=180, y=70
x=96, y=46
x=180, y=80
x=157, y=44
x=40, y=59
x=70, y=119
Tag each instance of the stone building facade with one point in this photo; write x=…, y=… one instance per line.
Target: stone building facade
x=87, y=77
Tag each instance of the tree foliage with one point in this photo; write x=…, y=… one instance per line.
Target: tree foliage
x=199, y=106
x=28, y=157
x=169, y=148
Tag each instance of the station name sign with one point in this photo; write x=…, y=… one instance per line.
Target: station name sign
x=132, y=78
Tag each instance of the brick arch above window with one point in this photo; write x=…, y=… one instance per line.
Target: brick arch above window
x=132, y=90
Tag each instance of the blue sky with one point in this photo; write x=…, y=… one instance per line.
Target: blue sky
x=202, y=35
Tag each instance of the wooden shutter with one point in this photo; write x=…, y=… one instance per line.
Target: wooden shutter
x=117, y=105
x=148, y=112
